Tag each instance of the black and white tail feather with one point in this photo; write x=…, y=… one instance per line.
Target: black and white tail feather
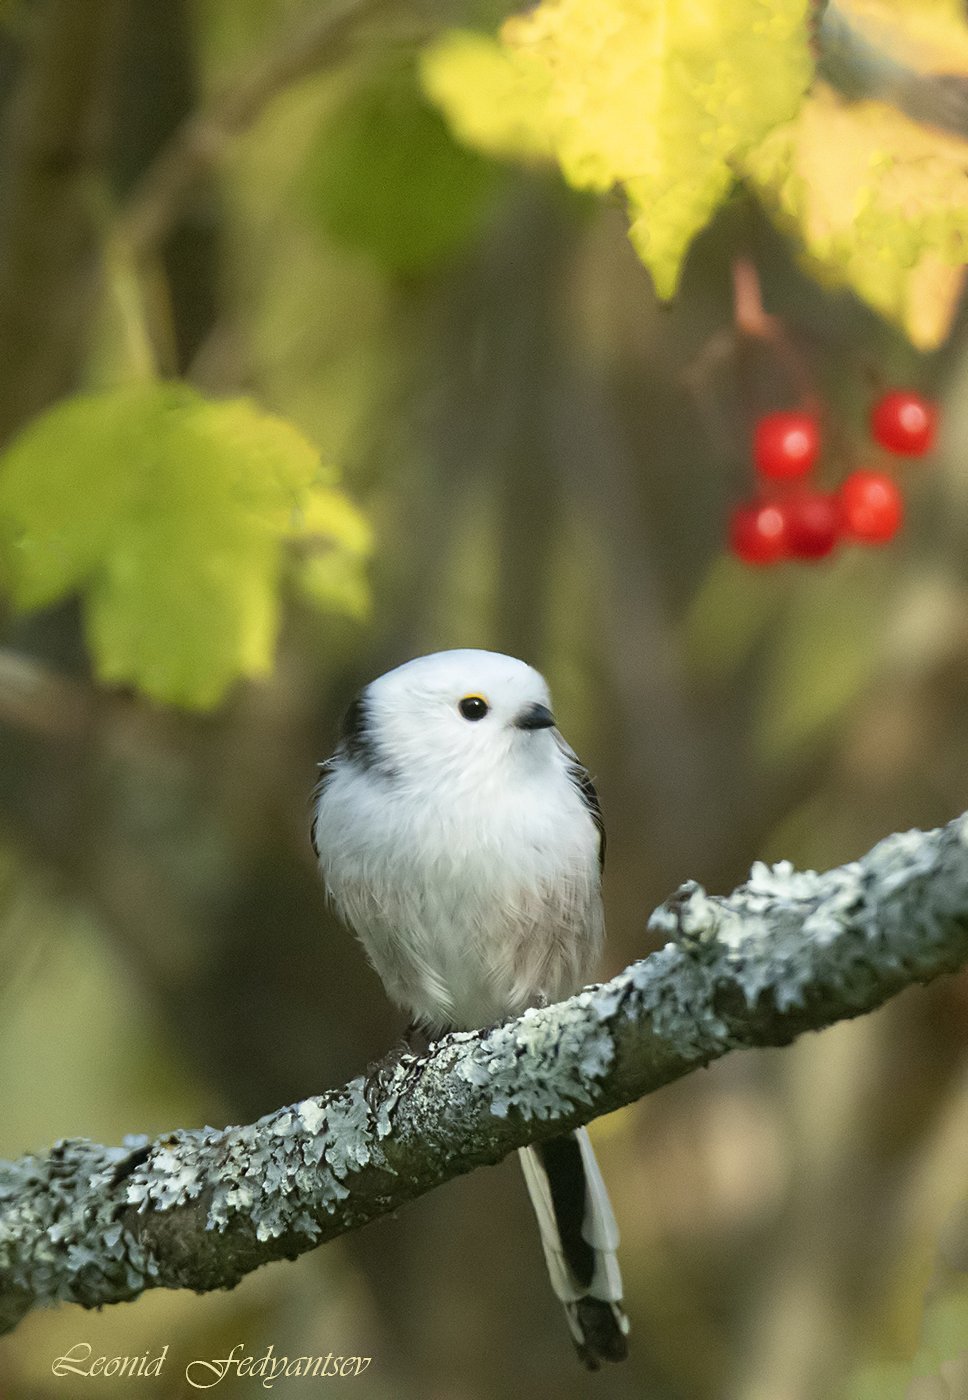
x=580, y=1238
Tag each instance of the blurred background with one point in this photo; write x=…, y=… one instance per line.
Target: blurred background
x=548, y=458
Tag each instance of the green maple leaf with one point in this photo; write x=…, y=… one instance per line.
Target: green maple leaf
x=169, y=515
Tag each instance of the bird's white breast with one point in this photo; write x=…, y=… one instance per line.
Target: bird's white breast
x=474, y=895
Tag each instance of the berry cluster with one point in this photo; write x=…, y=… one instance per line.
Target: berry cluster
x=795, y=520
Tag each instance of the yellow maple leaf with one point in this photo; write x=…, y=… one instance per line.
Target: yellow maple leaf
x=879, y=202
x=651, y=96
x=493, y=99
x=671, y=103
x=876, y=189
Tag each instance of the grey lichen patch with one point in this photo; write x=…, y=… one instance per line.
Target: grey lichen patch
x=60, y=1238
x=70, y=1222
x=673, y=991
x=564, y=1047
x=307, y=1152
x=787, y=934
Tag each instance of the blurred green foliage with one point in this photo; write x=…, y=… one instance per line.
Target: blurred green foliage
x=386, y=178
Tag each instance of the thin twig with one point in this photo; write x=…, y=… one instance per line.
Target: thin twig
x=202, y=139
x=752, y=320
x=39, y=700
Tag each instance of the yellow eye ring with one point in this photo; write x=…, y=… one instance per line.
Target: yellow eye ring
x=473, y=707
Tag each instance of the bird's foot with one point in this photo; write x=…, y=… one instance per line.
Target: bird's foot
x=387, y=1078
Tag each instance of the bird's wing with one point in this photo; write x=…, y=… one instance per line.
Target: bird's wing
x=581, y=778
x=355, y=742
x=326, y=771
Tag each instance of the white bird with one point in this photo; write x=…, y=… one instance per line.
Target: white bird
x=462, y=841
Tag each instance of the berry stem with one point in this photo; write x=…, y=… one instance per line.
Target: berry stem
x=754, y=322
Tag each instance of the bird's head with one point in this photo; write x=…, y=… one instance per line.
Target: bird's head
x=468, y=713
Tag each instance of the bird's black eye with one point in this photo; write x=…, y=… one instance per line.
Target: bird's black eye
x=473, y=707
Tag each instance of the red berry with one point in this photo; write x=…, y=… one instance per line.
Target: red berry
x=871, y=505
x=786, y=445
x=904, y=422
x=757, y=533
x=813, y=524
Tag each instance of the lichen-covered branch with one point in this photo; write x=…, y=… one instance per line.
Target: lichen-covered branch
x=787, y=952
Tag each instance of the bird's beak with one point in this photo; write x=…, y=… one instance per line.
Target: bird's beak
x=535, y=717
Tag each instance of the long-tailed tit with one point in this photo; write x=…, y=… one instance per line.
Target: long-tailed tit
x=462, y=841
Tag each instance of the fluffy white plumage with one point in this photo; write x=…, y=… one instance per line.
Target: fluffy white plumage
x=461, y=839
x=464, y=853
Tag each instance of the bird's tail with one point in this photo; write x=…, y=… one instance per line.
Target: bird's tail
x=580, y=1237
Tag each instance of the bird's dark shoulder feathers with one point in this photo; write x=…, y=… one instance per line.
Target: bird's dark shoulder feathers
x=581, y=778
x=356, y=742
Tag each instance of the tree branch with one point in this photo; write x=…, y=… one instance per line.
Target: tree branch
x=786, y=953
x=35, y=698
x=202, y=139
x=861, y=70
